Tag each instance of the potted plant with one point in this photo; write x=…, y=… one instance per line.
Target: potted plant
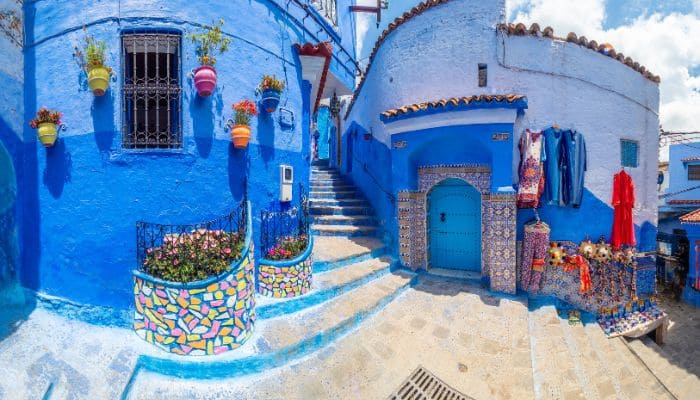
x=285, y=269
x=92, y=59
x=209, y=43
x=240, y=133
x=46, y=121
x=270, y=89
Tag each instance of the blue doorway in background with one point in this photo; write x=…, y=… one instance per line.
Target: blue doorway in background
x=454, y=226
x=323, y=125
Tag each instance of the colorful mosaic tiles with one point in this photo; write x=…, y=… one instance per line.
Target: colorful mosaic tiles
x=285, y=281
x=200, y=318
x=498, y=216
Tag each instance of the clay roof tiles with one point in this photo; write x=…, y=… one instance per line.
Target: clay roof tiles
x=451, y=102
x=692, y=217
x=680, y=201
x=520, y=29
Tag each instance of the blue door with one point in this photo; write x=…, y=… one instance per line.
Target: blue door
x=454, y=226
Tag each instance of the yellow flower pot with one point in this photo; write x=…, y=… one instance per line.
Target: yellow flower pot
x=98, y=80
x=47, y=133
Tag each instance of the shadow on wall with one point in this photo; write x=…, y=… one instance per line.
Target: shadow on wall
x=58, y=168
x=103, y=121
x=594, y=219
x=202, y=115
x=16, y=306
x=237, y=171
x=266, y=136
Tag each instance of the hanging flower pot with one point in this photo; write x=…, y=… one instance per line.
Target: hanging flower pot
x=205, y=80
x=270, y=100
x=270, y=89
x=240, y=135
x=210, y=42
x=47, y=133
x=45, y=123
x=92, y=59
x=98, y=80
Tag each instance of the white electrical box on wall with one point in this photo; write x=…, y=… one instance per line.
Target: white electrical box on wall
x=286, y=182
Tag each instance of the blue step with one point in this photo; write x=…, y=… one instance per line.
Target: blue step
x=344, y=220
x=340, y=210
x=351, y=194
x=358, y=202
x=343, y=230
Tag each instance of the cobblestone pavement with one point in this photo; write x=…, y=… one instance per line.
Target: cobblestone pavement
x=483, y=345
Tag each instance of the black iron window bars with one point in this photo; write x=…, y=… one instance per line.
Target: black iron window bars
x=151, y=90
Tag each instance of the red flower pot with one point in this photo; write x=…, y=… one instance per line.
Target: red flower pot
x=205, y=80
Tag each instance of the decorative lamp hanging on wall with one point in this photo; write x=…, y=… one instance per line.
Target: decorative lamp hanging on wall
x=335, y=106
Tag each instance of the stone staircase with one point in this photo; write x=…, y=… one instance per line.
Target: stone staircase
x=337, y=208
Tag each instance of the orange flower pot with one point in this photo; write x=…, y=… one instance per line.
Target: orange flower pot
x=240, y=135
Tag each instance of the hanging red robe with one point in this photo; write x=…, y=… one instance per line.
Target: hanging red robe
x=623, y=201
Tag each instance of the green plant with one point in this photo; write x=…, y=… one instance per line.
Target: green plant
x=287, y=248
x=209, y=43
x=193, y=256
x=45, y=115
x=244, y=109
x=93, y=53
x=270, y=82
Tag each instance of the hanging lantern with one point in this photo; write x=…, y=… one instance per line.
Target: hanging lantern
x=335, y=106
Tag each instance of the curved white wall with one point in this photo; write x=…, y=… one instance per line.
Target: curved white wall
x=434, y=56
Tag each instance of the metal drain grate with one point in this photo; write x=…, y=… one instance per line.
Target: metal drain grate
x=423, y=385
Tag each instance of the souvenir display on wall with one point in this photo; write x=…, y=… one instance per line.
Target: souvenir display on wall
x=535, y=245
x=623, y=201
x=553, y=165
x=556, y=255
x=531, y=169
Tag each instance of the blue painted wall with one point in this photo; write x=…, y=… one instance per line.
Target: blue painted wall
x=678, y=171
x=690, y=295
x=79, y=236
x=323, y=125
x=11, y=144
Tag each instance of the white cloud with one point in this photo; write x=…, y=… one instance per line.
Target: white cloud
x=666, y=45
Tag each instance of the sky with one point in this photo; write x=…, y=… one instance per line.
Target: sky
x=662, y=35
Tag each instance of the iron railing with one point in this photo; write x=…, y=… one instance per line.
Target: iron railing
x=203, y=241
x=277, y=225
x=327, y=8
x=151, y=90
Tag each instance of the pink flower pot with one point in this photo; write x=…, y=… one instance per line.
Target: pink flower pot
x=205, y=80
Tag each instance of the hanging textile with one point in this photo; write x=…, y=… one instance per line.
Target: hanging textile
x=623, y=201
x=574, y=168
x=580, y=262
x=535, y=247
x=531, y=170
x=552, y=166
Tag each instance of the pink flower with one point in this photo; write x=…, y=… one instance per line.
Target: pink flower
x=227, y=250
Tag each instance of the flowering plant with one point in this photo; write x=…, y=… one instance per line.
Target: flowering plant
x=210, y=42
x=193, y=256
x=244, y=110
x=93, y=53
x=288, y=247
x=45, y=115
x=270, y=82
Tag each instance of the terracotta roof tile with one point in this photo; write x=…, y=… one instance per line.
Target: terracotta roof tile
x=606, y=49
x=693, y=217
x=683, y=202
x=450, y=103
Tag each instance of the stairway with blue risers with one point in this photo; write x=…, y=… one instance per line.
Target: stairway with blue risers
x=337, y=207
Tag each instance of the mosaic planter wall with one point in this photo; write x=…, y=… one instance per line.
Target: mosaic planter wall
x=207, y=317
x=498, y=219
x=286, y=278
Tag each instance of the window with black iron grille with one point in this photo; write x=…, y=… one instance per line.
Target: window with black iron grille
x=151, y=90
x=694, y=172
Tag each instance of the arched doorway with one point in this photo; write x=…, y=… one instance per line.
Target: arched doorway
x=454, y=226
